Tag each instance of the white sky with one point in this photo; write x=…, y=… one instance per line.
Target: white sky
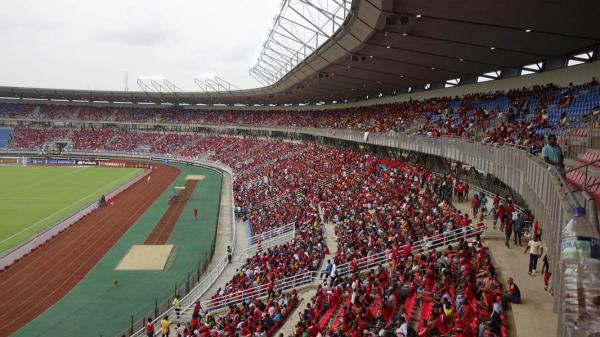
x=89, y=44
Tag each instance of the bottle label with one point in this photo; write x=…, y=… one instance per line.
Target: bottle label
x=580, y=247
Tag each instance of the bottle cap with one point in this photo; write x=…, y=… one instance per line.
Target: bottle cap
x=578, y=211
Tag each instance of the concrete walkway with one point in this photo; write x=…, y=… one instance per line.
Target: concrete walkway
x=222, y=240
x=535, y=315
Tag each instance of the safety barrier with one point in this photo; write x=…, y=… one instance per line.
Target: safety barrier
x=418, y=247
x=284, y=284
x=267, y=235
x=264, y=245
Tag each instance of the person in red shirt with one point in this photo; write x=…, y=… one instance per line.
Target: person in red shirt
x=508, y=227
x=475, y=205
x=195, y=213
x=499, y=215
x=149, y=328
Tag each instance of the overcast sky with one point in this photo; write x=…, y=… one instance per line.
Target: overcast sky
x=90, y=44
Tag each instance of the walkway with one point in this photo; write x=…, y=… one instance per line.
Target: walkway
x=535, y=316
x=223, y=240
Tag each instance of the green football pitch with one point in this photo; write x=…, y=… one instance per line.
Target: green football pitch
x=33, y=198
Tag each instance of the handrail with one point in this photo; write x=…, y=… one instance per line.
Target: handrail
x=249, y=294
x=271, y=242
x=582, y=166
x=417, y=247
x=266, y=235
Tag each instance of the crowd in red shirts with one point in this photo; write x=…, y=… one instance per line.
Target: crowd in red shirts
x=34, y=139
x=376, y=204
x=455, y=292
x=248, y=319
x=131, y=141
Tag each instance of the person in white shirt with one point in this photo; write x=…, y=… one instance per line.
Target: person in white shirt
x=402, y=331
x=180, y=330
x=535, y=251
x=333, y=272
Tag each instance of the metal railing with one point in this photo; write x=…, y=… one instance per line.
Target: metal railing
x=418, y=247
x=237, y=297
x=188, y=300
x=261, y=246
x=253, y=240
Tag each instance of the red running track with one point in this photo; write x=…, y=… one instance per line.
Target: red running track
x=166, y=224
x=44, y=276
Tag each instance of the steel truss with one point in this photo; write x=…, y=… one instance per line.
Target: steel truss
x=216, y=83
x=157, y=84
x=301, y=27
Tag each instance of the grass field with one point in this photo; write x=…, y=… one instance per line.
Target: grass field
x=33, y=198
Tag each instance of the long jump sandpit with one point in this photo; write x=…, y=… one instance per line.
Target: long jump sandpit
x=146, y=257
x=43, y=277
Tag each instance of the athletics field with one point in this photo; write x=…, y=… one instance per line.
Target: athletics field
x=95, y=308
x=33, y=198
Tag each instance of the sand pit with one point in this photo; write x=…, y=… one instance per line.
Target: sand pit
x=146, y=257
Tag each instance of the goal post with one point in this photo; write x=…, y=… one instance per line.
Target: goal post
x=13, y=160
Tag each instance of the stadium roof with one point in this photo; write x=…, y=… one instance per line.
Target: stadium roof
x=388, y=46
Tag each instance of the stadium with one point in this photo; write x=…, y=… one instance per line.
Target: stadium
x=400, y=169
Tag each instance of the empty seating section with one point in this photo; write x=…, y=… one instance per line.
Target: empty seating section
x=5, y=134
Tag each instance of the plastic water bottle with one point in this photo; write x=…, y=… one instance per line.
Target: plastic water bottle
x=580, y=263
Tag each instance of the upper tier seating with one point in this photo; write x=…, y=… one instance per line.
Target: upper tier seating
x=541, y=108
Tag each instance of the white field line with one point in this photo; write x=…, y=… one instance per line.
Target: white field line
x=66, y=207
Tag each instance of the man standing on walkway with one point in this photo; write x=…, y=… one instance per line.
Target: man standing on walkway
x=327, y=271
x=535, y=251
x=552, y=154
x=519, y=222
x=333, y=272
x=149, y=328
x=164, y=326
x=508, y=228
x=475, y=205
x=177, y=305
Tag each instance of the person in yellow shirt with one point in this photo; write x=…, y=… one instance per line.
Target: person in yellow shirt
x=177, y=305
x=164, y=326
